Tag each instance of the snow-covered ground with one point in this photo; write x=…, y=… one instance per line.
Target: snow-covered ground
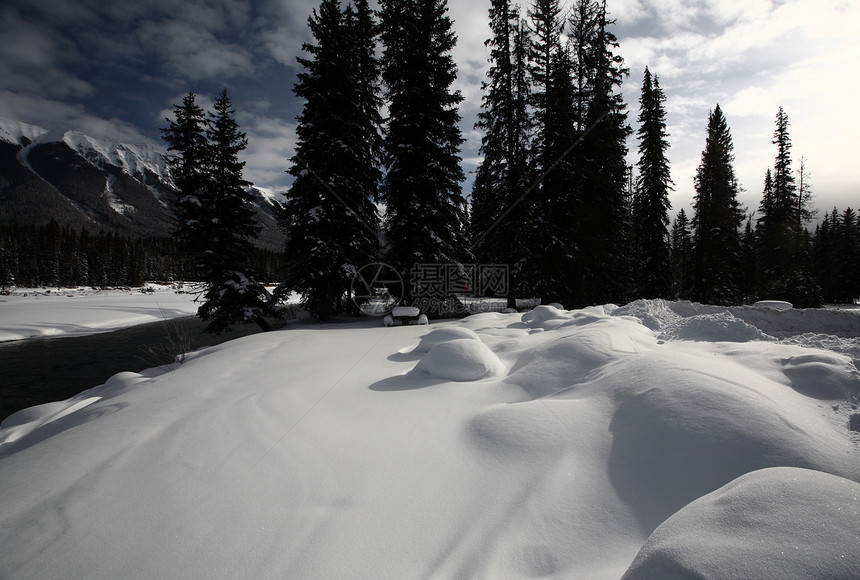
x=655, y=440
x=32, y=312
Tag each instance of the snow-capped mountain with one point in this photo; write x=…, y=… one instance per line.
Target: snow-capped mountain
x=141, y=161
x=18, y=133
x=79, y=180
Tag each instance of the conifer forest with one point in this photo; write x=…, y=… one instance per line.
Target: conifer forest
x=378, y=178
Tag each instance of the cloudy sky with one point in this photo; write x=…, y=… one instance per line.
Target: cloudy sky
x=114, y=69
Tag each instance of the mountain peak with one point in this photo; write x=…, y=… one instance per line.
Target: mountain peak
x=18, y=133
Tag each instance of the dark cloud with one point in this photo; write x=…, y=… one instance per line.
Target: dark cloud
x=115, y=68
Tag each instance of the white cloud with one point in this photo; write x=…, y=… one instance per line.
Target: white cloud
x=752, y=57
x=59, y=116
x=271, y=143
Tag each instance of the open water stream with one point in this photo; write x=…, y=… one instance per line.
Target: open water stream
x=42, y=370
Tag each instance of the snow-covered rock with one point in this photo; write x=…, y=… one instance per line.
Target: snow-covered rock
x=774, y=523
x=445, y=334
x=461, y=359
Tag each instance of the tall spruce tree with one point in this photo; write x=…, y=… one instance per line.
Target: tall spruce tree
x=777, y=231
x=717, y=219
x=188, y=150
x=651, y=203
x=234, y=292
x=499, y=209
x=329, y=215
x=602, y=169
x=425, y=211
x=215, y=219
x=783, y=242
x=553, y=203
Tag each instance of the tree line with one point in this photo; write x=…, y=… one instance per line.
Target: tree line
x=55, y=255
x=553, y=198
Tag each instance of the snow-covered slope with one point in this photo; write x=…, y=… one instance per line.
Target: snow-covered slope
x=135, y=160
x=18, y=133
x=552, y=444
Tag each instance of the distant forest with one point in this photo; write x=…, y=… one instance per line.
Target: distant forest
x=51, y=255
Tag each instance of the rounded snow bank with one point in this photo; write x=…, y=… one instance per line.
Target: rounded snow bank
x=718, y=327
x=445, y=334
x=553, y=316
x=655, y=314
x=462, y=359
x=541, y=314
x=781, y=522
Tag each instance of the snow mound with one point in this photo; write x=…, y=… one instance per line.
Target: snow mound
x=540, y=315
x=689, y=421
x=445, y=334
x=569, y=356
x=720, y=327
x=848, y=346
x=822, y=375
x=773, y=523
x=462, y=359
x=785, y=323
x=552, y=316
x=655, y=314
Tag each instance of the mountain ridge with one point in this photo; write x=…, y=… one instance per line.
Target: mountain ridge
x=82, y=181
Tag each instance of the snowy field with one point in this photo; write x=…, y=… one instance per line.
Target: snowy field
x=32, y=312
x=655, y=440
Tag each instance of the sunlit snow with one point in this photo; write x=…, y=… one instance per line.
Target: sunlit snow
x=551, y=444
x=31, y=312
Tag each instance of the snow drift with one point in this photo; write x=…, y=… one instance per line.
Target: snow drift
x=561, y=444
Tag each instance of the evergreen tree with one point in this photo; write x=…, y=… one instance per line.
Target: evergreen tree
x=784, y=185
x=651, y=204
x=804, y=212
x=555, y=200
x=234, y=293
x=848, y=253
x=329, y=216
x=682, y=256
x=601, y=235
x=778, y=223
x=499, y=210
x=748, y=275
x=717, y=218
x=425, y=213
x=215, y=221
x=186, y=139
x=829, y=259
x=783, y=241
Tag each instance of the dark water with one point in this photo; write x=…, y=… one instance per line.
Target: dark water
x=41, y=370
